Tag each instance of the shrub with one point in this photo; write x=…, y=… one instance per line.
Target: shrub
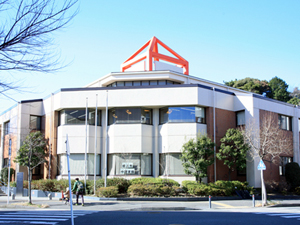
x=47, y=185
x=61, y=185
x=150, y=190
x=4, y=174
x=13, y=184
x=137, y=190
x=155, y=181
x=107, y=192
x=292, y=171
x=219, y=188
x=121, y=183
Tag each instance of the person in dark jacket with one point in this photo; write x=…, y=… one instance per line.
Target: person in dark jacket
x=78, y=187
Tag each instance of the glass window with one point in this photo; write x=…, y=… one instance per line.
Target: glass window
x=240, y=118
x=120, y=83
x=170, y=82
x=35, y=123
x=91, y=117
x=5, y=162
x=153, y=82
x=285, y=122
x=77, y=117
x=170, y=164
x=129, y=116
x=161, y=82
x=284, y=161
x=130, y=164
x=188, y=114
x=128, y=83
x=136, y=83
x=77, y=164
x=145, y=82
x=6, y=127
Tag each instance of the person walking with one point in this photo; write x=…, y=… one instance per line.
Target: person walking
x=79, y=188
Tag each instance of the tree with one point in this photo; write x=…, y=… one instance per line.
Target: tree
x=279, y=89
x=295, y=93
x=233, y=151
x=276, y=88
x=267, y=141
x=251, y=84
x=294, y=101
x=25, y=36
x=197, y=156
x=31, y=154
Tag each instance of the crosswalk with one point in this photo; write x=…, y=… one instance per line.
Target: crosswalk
x=40, y=217
x=283, y=215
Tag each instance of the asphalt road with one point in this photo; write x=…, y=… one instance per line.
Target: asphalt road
x=187, y=218
x=147, y=218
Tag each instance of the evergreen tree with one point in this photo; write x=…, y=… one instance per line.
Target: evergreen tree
x=197, y=155
x=233, y=151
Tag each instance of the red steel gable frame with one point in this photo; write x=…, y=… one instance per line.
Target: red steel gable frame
x=152, y=54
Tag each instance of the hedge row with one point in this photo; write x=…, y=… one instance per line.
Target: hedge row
x=145, y=187
x=219, y=188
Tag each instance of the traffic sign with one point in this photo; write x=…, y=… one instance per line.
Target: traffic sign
x=261, y=165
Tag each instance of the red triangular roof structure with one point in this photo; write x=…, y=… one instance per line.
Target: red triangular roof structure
x=152, y=54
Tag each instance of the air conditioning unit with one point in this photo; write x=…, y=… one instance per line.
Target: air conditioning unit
x=122, y=171
x=130, y=165
x=124, y=165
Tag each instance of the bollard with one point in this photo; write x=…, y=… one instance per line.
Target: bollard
x=12, y=196
x=209, y=201
x=50, y=196
x=253, y=201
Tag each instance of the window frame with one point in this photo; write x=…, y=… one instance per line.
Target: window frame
x=113, y=115
x=7, y=127
x=40, y=123
x=289, y=122
x=90, y=111
x=169, y=109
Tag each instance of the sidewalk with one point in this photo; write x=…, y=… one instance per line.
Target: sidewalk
x=144, y=204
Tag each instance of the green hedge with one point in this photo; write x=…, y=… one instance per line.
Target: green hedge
x=107, y=192
x=219, y=188
x=155, y=181
x=150, y=190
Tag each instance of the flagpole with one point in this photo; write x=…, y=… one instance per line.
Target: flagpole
x=85, y=154
x=96, y=126
x=69, y=176
x=106, y=141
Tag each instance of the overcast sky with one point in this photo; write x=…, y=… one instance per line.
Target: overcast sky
x=222, y=40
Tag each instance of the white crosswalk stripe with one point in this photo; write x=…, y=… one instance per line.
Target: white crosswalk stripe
x=39, y=217
x=283, y=215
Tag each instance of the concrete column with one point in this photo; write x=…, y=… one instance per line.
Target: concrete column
x=155, y=134
x=295, y=127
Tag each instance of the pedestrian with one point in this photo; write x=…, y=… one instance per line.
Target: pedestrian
x=79, y=188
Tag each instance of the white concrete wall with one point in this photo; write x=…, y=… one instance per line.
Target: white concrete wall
x=77, y=140
x=130, y=138
x=173, y=135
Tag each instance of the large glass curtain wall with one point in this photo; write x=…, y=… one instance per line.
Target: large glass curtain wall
x=130, y=164
x=77, y=117
x=170, y=164
x=184, y=114
x=129, y=116
x=77, y=164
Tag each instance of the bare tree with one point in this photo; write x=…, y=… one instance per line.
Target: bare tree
x=26, y=36
x=267, y=141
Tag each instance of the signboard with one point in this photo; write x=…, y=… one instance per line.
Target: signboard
x=261, y=165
